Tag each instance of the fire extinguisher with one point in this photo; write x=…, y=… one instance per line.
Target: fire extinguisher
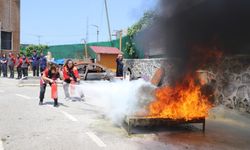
x=54, y=94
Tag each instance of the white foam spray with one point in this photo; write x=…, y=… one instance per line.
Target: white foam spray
x=119, y=98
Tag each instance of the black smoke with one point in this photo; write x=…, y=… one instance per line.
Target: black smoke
x=190, y=29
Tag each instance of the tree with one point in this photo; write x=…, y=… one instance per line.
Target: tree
x=39, y=48
x=142, y=24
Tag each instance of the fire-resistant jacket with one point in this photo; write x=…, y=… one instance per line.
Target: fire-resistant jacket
x=70, y=73
x=25, y=62
x=19, y=62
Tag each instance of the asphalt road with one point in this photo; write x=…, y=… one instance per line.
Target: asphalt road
x=24, y=125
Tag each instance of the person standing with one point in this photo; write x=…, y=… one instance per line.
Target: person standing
x=0, y=65
x=4, y=62
x=11, y=64
x=19, y=62
x=35, y=63
x=50, y=75
x=119, y=66
x=25, y=65
x=70, y=76
x=42, y=62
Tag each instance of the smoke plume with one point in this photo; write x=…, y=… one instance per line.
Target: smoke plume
x=193, y=30
x=119, y=99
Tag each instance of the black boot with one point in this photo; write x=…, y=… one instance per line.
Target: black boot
x=41, y=102
x=55, y=103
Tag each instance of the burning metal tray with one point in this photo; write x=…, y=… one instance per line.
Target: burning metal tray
x=132, y=121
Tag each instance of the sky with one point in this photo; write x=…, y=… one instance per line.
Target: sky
x=57, y=22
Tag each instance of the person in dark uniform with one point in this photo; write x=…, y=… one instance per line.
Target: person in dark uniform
x=42, y=62
x=19, y=62
x=0, y=66
x=25, y=65
x=50, y=75
x=35, y=63
x=4, y=62
x=119, y=66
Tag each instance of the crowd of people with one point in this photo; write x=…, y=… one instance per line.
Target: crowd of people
x=20, y=64
x=50, y=73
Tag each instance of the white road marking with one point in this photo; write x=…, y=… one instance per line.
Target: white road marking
x=70, y=117
x=1, y=145
x=96, y=139
x=1, y=91
x=23, y=96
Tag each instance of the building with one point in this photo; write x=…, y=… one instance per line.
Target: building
x=106, y=56
x=10, y=25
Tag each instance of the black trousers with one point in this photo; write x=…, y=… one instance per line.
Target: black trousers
x=4, y=69
x=0, y=69
x=42, y=92
x=25, y=72
x=19, y=72
x=41, y=69
x=35, y=70
x=119, y=72
x=11, y=68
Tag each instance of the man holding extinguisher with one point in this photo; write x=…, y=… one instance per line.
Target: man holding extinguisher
x=50, y=75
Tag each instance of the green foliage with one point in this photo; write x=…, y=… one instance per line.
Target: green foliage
x=143, y=23
x=30, y=48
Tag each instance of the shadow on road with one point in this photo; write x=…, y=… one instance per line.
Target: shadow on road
x=52, y=103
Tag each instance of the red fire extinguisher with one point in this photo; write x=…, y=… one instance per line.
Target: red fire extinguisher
x=54, y=94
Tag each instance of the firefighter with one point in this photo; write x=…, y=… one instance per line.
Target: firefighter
x=70, y=76
x=25, y=65
x=19, y=62
x=35, y=63
x=50, y=75
x=4, y=62
x=11, y=64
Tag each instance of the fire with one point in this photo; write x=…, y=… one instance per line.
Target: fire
x=183, y=101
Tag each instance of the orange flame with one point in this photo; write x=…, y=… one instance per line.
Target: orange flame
x=184, y=101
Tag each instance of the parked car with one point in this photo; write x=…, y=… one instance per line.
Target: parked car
x=94, y=71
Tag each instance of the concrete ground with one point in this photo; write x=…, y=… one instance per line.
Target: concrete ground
x=24, y=125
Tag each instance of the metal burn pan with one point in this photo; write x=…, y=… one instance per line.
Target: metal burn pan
x=132, y=121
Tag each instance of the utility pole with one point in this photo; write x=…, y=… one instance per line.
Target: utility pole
x=39, y=39
x=120, y=34
x=85, y=50
x=87, y=30
x=107, y=14
x=97, y=31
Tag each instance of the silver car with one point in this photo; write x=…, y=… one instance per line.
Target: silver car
x=93, y=71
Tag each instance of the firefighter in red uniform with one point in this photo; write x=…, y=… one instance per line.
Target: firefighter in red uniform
x=11, y=64
x=19, y=63
x=25, y=65
x=70, y=76
x=50, y=75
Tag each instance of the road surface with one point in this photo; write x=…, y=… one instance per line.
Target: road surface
x=24, y=125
